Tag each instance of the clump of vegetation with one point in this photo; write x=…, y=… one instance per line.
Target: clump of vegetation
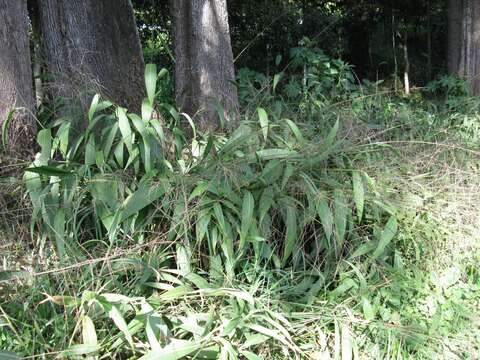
x=294, y=210
x=240, y=245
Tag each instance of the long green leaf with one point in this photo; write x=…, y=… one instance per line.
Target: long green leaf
x=109, y=141
x=358, y=194
x=332, y=134
x=326, y=217
x=296, y=131
x=121, y=324
x=78, y=350
x=250, y=356
x=146, y=138
x=151, y=81
x=178, y=350
x=247, y=217
x=90, y=158
x=291, y=232
x=264, y=123
x=93, y=107
x=276, y=79
x=49, y=171
x=89, y=334
x=125, y=128
x=270, y=154
x=44, y=139
x=265, y=203
x=145, y=195
x=386, y=237
x=147, y=110
x=340, y=216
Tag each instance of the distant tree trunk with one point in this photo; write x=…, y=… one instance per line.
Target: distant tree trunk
x=464, y=41
x=204, y=66
x=455, y=15
x=93, y=46
x=394, y=48
x=16, y=89
x=406, y=73
x=429, y=42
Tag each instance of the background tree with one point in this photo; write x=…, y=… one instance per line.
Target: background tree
x=204, y=68
x=93, y=45
x=464, y=41
x=16, y=75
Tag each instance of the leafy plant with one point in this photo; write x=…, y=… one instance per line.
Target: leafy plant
x=247, y=197
x=455, y=90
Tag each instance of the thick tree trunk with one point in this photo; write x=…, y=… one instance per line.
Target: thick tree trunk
x=204, y=68
x=93, y=46
x=464, y=41
x=16, y=89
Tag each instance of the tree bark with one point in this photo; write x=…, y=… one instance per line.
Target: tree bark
x=455, y=20
x=464, y=41
x=16, y=89
x=93, y=46
x=204, y=68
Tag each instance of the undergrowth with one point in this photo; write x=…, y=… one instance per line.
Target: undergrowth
x=335, y=221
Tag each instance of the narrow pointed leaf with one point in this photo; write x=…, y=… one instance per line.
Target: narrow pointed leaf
x=340, y=216
x=291, y=232
x=326, y=217
x=358, y=194
x=263, y=120
x=386, y=237
x=151, y=81
x=175, y=351
x=247, y=216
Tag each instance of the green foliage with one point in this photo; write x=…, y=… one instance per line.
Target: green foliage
x=253, y=194
x=455, y=91
x=297, y=235
x=311, y=83
x=321, y=75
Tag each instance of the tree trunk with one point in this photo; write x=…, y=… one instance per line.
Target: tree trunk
x=429, y=42
x=406, y=73
x=464, y=41
x=204, y=68
x=16, y=89
x=93, y=46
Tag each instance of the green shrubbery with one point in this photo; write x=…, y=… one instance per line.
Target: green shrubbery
x=265, y=194
x=289, y=237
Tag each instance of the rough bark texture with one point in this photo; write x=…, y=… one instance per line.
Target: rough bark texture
x=464, y=41
x=204, y=68
x=16, y=89
x=93, y=46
